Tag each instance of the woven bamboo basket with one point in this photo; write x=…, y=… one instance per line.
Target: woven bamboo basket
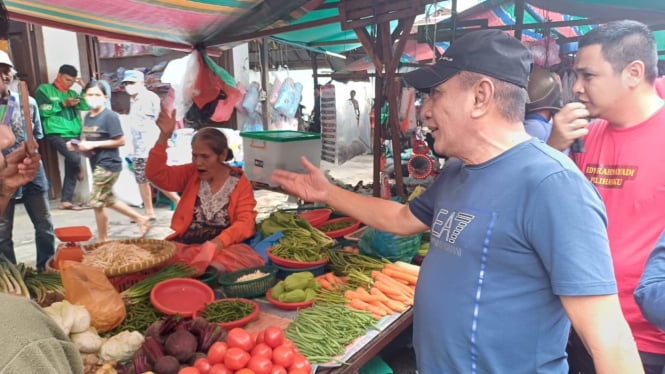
x=161, y=250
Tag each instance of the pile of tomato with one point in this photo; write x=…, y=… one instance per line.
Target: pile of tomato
x=266, y=352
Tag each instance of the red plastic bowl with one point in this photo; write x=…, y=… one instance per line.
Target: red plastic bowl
x=73, y=234
x=183, y=296
x=237, y=323
x=288, y=306
x=341, y=232
x=292, y=264
x=316, y=216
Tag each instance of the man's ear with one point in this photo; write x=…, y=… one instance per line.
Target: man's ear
x=483, y=92
x=634, y=73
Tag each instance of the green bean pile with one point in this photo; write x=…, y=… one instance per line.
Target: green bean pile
x=334, y=226
x=323, y=331
x=344, y=262
x=140, y=316
x=227, y=311
x=299, y=244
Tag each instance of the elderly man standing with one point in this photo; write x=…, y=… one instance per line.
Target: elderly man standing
x=518, y=246
x=144, y=109
x=35, y=193
x=59, y=108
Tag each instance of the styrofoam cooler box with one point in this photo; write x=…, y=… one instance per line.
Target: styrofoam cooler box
x=265, y=151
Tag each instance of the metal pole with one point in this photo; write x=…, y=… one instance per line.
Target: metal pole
x=264, y=83
x=519, y=18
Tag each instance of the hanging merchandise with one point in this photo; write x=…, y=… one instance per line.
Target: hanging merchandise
x=545, y=52
x=215, y=87
x=274, y=90
x=290, y=95
x=181, y=74
x=251, y=99
x=243, y=91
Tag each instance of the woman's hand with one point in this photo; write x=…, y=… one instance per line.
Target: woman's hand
x=85, y=146
x=71, y=147
x=166, y=123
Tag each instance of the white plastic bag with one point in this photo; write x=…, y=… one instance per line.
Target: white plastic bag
x=181, y=74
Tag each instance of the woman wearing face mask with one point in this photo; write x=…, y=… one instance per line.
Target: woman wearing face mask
x=217, y=205
x=101, y=137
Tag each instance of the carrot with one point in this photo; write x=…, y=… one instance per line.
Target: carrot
x=376, y=316
x=361, y=305
x=363, y=295
x=379, y=276
x=350, y=294
x=399, y=275
x=395, y=305
x=390, y=292
x=325, y=284
x=332, y=278
x=381, y=306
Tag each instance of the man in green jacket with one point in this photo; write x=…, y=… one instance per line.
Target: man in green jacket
x=59, y=108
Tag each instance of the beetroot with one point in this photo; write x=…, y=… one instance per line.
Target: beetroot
x=166, y=365
x=181, y=344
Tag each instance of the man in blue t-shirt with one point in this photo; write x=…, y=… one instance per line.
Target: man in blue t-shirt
x=518, y=245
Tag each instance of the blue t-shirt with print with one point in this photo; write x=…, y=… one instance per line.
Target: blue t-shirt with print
x=508, y=237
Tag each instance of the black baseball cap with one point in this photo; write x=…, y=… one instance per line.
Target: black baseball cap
x=489, y=52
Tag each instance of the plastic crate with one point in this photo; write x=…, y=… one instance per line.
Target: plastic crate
x=248, y=289
x=265, y=151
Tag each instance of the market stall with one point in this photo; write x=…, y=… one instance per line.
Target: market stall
x=337, y=300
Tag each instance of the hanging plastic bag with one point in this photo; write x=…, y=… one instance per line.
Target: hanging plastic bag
x=290, y=95
x=89, y=286
x=243, y=91
x=251, y=99
x=181, y=74
x=225, y=106
x=274, y=90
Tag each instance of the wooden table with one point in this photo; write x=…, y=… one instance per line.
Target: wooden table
x=376, y=345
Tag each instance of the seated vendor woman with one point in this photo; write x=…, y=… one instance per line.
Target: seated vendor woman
x=217, y=201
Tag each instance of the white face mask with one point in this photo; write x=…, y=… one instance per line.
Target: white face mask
x=132, y=89
x=95, y=102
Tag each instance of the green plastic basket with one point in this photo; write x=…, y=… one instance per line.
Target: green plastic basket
x=251, y=288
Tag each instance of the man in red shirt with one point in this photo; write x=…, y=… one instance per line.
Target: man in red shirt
x=616, y=69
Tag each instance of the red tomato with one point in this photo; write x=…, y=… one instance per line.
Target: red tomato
x=203, y=364
x=290, y=345
x=278, y=369
x=239, y=338
x=220, y=369
x=260, y=365
x=300, y=362
x=236, y=358
x=260, y=336
x=216, y=353
x=283, y=356
x=273, y=336
x=299, y=371
x=262, y=350
x=254, y=335
x=189, y=370
x=245, y=371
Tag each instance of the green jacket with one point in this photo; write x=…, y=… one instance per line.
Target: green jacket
x=32, y=342
x=57, y=119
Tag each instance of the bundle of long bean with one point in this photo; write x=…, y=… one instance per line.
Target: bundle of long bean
x=141, y=290
x=140, y=315
x=322, y=331
x=343, y=262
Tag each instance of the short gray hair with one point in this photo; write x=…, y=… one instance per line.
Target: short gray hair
x=509, y=98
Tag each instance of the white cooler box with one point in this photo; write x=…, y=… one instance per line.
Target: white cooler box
x=265, y=151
